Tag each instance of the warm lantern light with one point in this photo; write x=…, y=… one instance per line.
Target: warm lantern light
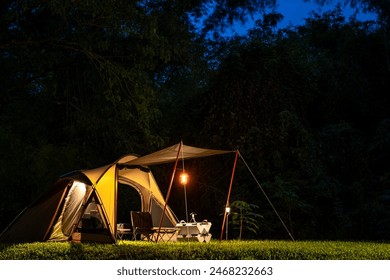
x=184, y=181
x=184, y=178
x=227, y=209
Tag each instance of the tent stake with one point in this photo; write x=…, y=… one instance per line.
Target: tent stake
x=228, y=198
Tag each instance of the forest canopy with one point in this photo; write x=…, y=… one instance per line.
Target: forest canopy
x=85, y=82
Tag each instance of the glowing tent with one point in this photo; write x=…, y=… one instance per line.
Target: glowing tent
x=82, y=205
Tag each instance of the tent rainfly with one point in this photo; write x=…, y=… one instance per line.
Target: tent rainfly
x=82, y=205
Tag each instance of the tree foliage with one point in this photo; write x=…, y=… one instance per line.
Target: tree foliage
x=84, y=82
x=303, y=105
x=245, y=218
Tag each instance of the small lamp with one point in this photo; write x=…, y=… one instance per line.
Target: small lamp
x=227, y=210
x=184, y=178
x=184, y=181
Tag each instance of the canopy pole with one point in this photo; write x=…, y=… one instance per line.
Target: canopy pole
x=228, y=197
x=184, y=185
x=269, y=201
x=169, y=190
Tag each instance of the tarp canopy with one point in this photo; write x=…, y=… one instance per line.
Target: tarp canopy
x=170, y=154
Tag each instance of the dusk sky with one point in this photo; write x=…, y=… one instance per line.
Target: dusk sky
x=295, y=12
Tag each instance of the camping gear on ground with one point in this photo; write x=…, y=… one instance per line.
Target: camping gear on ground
x=193, y=230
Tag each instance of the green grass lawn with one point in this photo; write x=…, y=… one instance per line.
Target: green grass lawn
x=215, y=250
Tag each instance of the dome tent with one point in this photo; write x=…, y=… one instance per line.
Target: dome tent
x=82, y=205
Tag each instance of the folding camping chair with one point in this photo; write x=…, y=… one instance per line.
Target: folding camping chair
x=143, y=226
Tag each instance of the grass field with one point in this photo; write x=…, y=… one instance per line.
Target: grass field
x=226, y=250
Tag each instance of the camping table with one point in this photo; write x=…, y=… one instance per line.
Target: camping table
x=165, y=234
x=123, y=230
x=194, y=231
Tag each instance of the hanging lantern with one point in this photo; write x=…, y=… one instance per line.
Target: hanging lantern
x=184, y=178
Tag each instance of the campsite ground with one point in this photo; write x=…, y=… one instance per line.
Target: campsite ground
x=226, y=250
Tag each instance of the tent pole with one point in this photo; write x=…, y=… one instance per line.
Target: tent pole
x=169, y=190
x=116, y=202
x=228, y=198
